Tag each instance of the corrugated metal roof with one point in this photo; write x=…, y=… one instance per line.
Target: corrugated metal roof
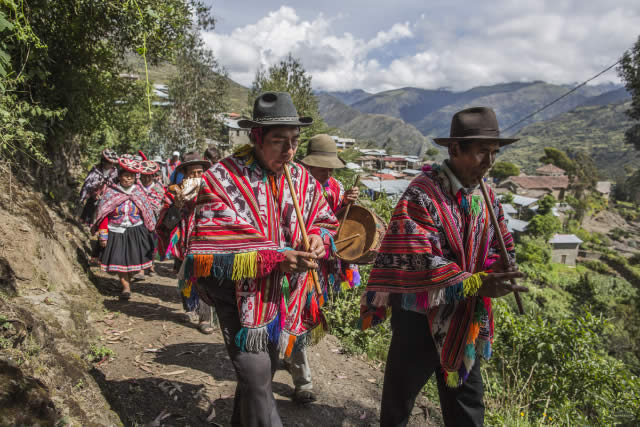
x=523, y=201
x=508, y=209
x=565, y=238
x=391, y=187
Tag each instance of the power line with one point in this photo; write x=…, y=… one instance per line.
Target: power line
x=562, y=96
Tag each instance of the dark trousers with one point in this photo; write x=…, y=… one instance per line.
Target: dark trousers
x=411, y=361
x=254, y=404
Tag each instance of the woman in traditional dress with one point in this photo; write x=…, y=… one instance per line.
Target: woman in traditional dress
x=155, y=193
x=126, y=220
x=96, y=182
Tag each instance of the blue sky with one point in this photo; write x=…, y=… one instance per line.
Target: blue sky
x=375, y=45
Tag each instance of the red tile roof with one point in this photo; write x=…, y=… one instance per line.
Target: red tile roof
x=536, y=182
x=550, y=169
x=395, y=159
x=384, y=176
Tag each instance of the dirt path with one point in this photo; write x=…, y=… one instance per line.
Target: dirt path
x=168, y=372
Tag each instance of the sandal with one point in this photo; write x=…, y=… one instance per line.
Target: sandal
x=304, y=396
x=205, y=328
x=125, y=295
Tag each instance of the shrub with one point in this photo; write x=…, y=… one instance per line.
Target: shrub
x=533, y=251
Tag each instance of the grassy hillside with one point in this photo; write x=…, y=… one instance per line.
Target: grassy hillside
x=376, y=128
x=237, y=98
x=597, y=129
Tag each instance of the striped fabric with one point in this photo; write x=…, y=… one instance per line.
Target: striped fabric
x=436, y=245
x=244, y=218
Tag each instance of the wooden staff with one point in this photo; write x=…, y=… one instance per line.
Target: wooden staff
x=346, y=211
x=503, y=248
x=305, y=238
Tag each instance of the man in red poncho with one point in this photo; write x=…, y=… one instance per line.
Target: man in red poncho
x=242, y=254
x=437, y=269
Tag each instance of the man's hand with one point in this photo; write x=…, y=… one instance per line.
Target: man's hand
x=352, y=195
x=496, y=285
x=298, y=262
x=317, y=246
x=499, y=266
x=179, y=199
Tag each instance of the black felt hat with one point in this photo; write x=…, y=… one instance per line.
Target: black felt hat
x=476, y=123
x=192, y=159
x=274, y=109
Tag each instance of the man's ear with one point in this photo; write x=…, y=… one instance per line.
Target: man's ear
x=454, y=149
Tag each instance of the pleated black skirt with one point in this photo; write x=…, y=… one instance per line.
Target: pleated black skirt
x=129, y=251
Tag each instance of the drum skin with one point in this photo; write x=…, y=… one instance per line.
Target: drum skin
x=371, y=229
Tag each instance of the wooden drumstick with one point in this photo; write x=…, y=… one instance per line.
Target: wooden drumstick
x=503, y=248
x=346, y=211
x=305, y=238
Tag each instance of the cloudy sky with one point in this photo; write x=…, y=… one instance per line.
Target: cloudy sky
x=380, y=45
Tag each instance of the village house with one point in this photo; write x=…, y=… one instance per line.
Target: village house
x=564, y=248
x=537, y=186
x=343, y=143
x=395, y=162
x=550, y=170
x=604, y=188
x=369, y=162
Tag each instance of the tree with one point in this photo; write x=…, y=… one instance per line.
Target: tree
x=629, y=72
x=533, y=250
x=507, y=198
x=544, y=226
x=432, y=152
x=198, y=95
x=290, y=76
x=503, y=170
x=60, y=65
x=558, y=158
x=546, y=204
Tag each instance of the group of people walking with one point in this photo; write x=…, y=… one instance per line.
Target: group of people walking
x=249, y=233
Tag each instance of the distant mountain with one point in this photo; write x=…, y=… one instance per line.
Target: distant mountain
x=597, y=129
x=375, y=128
x=611, y=97
x=431, y=110
x=350, y=97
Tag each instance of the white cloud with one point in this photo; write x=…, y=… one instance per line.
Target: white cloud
x=457, y=47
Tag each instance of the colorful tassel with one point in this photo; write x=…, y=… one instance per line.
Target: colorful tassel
x=476, y=207
x=245, y=265
x=474, y=331
x=285, y=290
x=471, y=285
x=241, y=339
x=202, y=265
x=452, y=378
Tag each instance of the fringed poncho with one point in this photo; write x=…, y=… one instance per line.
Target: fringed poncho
x=438, y=243
x=243, y=220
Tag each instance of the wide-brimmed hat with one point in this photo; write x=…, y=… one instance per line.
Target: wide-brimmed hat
x=274, y=109
x=191, y=159
x=147, y=167
x=130, y=165
x=322, y=152
x=109, y=155
x=476, y=123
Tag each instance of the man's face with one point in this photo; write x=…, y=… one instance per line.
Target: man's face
x=107, y=166
x=471, y=165
x=146, y=180
x=127, y=179
x=322, y=175
x=278, y=147
x=194, y=171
